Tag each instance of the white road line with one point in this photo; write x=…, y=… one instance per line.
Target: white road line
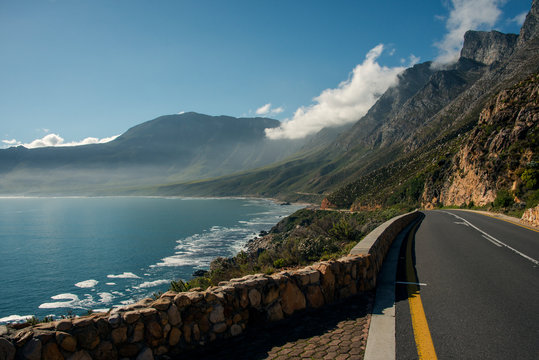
x=494, y=240
x=410, y=283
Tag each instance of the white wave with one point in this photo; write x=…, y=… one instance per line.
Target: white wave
x=126, y=302
x=105, y=297
x=149, y=284
x=14, y=318
x=117, y=293
x=125, y=275
x=178, y=260
x=104, y=310
x=110, y=284
x=72, y=300
x=87, y=283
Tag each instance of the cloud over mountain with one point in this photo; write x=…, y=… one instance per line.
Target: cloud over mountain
x=465, y=15
x=267, y=110
x=57, y=140
x=344, y=104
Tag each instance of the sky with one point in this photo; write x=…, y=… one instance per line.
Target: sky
x=84, y=71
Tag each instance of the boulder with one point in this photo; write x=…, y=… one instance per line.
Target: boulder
x=174, y=317
x=80, y=355
x=119, y=335
x=51, y=352
x=7, y=349
x=87, y=337
x=217, y=314
x=138, y=333
x=32, y=350
x=145, y=354
x=105, y=351
x=174, y=336
x=66, y=341
x=131, y=316
x=292, y=299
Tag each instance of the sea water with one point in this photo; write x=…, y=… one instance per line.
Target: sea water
x=62, y=256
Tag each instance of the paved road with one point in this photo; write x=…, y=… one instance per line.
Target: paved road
x=481, y=288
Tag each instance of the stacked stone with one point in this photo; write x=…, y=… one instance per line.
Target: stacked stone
x=177, y=321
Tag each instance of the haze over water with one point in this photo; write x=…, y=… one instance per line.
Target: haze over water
x=61, y=255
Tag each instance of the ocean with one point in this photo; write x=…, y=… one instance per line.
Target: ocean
x=64, y=256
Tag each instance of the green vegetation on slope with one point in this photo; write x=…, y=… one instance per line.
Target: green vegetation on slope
x=302, y=238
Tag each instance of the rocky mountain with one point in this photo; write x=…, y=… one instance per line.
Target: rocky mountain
x=451, y=135
x=402, y=147
x=500, y=152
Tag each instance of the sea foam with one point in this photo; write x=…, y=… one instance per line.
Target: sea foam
x=149, y=284
x=125, y=275
x=87, y=283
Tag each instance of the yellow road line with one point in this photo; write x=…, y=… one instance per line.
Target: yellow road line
x=423, y=339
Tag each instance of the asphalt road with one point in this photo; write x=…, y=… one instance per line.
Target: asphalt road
x=480, y=287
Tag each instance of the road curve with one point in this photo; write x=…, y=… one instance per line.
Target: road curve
x=479, y=287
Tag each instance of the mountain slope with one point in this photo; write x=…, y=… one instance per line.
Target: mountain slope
x=387, y=154
x=173, y=147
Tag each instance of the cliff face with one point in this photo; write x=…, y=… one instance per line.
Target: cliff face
x=494, y=153
x=488, y=47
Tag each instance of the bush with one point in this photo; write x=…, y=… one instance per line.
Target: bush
x=530, y=178
x=503, y=199
x=279, y=263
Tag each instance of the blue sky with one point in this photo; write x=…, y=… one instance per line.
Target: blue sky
x=91, y=68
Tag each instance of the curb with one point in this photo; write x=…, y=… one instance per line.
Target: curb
x=381, y=337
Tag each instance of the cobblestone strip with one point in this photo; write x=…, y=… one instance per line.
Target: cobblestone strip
x=337, y=331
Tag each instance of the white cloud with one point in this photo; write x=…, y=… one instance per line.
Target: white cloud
x=465, y=15
x=519, y=19
x=267, y=110
x=57, y=140
x=263, y=109
x=11, y=142
x=347, y=103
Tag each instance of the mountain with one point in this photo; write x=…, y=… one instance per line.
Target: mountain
x=402, y=145
x=438, y=137
x=170, y=148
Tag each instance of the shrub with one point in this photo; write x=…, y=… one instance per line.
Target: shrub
x=530, y=178
x=279, y=263
x=503, y=199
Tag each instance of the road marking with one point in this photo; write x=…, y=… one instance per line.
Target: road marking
x=502, y=219
x=410, y=283
x=423, y=340
x=494, y=240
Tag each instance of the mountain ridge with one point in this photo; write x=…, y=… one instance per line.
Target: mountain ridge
x=413, y=125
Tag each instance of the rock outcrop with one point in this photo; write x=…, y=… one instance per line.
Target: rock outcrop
x=488, y=47
x=531, y=216
x=493, y=154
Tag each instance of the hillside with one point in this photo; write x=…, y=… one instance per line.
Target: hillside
x=169, y=148
x=407, y=138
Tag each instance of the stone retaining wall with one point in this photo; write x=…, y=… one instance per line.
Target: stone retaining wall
x=177, y=321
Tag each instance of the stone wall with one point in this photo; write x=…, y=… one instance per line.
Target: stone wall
x=177, y=321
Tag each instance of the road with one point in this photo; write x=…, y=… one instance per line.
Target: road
x=478, y=286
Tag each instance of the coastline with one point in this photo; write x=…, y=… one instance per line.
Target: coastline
x=215, y=233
